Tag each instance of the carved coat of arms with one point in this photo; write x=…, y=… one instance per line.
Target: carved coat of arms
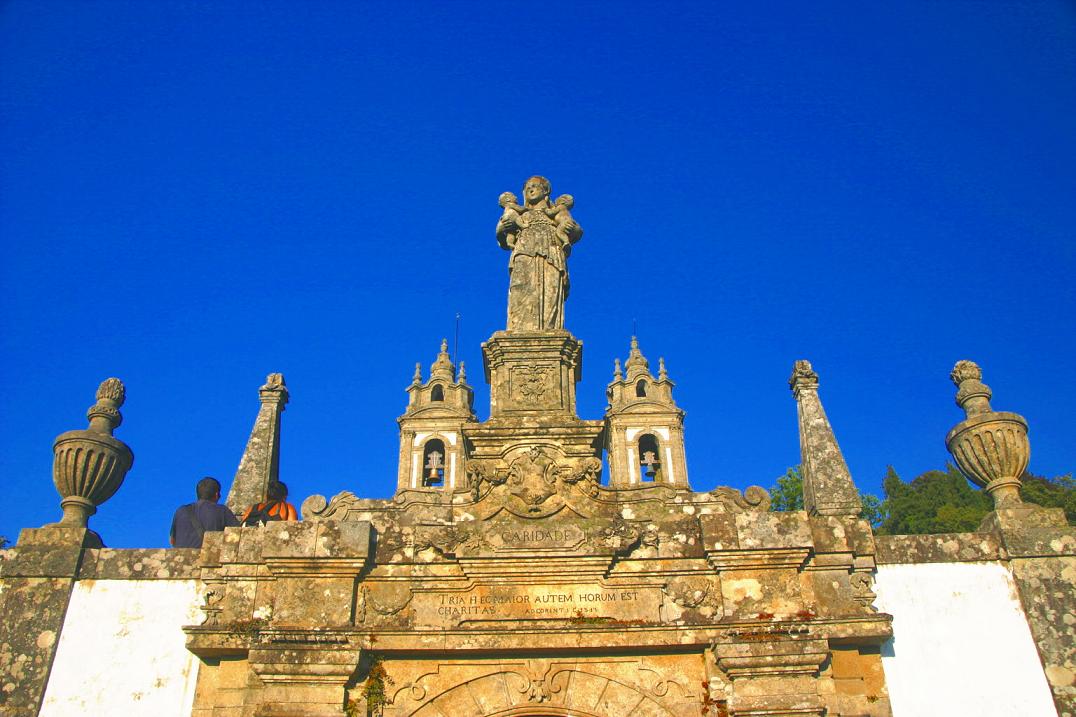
x=532, y=477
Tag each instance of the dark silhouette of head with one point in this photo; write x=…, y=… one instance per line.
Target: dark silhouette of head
x=208, y=489
x=277, y=491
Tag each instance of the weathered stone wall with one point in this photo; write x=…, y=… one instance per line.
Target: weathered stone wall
x=122, y=650
x=961, y=643
x=43, y=604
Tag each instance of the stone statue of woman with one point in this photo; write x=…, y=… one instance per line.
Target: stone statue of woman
x=540, y=235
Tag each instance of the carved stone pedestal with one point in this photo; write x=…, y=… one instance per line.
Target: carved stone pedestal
x=532, y=373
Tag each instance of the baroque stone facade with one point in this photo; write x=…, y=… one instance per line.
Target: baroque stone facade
x=509, y=576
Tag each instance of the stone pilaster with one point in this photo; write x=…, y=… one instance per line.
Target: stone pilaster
x=38, y=581
x=260, y=464
x=827, y=484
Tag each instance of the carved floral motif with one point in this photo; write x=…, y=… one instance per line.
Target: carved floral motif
x=532, y=383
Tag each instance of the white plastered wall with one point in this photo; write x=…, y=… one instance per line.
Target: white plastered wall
x=961, y=643
x=122, y=651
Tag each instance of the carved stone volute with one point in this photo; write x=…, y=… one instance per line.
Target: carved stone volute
x=89, y=465
x=990, y=447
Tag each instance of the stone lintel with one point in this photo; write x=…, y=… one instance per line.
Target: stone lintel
x=555, y=430
x=768, y=558
x=831, y=561
x=567, y=637
x=314, y=662
x=565, y=568
x=496, y=438
x=315, y=567
x=940, y=548
x=766, y=657
x=306, y=545
x=755, y=531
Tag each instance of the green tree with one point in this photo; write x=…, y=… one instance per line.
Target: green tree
x=935, y=502
x=875, y=511
x=1059, y=492
x=3, y=542
x=787, y=494
x=945, y=502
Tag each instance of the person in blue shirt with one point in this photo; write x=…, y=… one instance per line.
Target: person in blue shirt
x=192, y=521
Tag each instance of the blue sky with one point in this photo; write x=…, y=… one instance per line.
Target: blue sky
x=195, y=194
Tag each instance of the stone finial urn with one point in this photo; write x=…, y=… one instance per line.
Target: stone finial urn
x=990, y=447
x=89, y=465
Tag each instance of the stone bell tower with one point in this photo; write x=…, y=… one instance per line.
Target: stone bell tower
x=644, y=427
x=432, y=454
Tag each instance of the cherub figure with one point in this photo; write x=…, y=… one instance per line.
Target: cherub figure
x=561, y=214
x=512, y=210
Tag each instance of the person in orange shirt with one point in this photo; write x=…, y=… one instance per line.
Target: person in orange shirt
x=276, y=507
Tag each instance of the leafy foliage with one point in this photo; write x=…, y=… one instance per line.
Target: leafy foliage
x=935, y=502
x=375, y=690
x=944, y=502
x=875, y=510
x=3, y=542
x=1059, y=492
x=787, y=494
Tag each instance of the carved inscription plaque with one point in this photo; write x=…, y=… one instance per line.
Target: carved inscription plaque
x=532, y=536
x=583, y=601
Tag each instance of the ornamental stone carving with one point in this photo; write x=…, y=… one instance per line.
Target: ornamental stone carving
x=532, y=477
x=990, y=447
x=540, y=234
x=89, y=465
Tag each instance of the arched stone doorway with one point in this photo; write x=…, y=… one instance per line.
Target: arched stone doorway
x=550, y=693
